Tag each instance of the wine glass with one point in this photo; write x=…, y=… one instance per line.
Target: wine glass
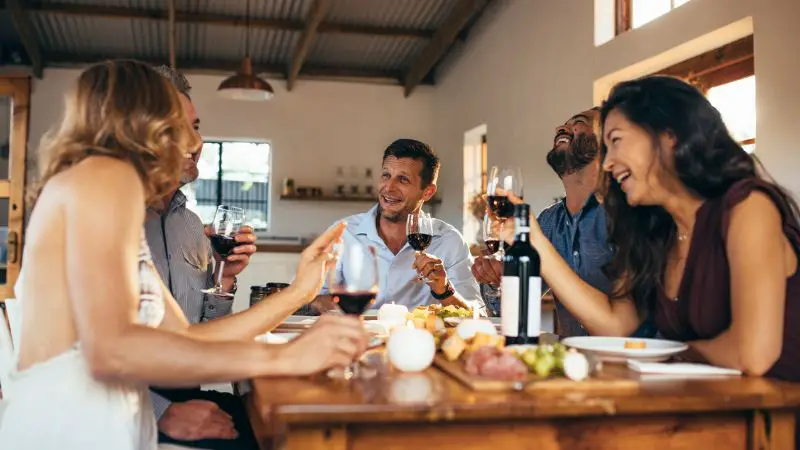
x=492, y=238
x=502, y=181
x=227, y=222
x=354, y=292
x=419, y=233
x=491, y=234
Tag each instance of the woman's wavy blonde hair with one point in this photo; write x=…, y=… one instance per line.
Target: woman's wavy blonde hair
x=126, y=110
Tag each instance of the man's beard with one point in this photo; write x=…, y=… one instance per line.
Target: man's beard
x=190, y=174
x=581, y=152
x=394, y=217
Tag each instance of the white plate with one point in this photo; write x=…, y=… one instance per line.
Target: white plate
x=612, y=349
x=283, y=338
x=454, y=321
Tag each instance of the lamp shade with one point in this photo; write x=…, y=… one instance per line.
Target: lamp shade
x=245, y=86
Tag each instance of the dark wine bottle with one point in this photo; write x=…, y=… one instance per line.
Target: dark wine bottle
x=521, y=292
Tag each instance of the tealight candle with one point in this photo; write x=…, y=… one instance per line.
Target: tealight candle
x=410, y=349
x=467, y=328
x=392, y=315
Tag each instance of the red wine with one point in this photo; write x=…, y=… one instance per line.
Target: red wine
x=501, y=206
x=521, y=288
x=493, y=245
x=419, y=241
x=223, y=245
x=353, y=303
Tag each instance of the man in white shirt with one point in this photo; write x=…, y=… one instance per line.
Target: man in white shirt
x=408, y=180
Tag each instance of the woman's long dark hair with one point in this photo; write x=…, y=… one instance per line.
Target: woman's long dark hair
x=707, y=160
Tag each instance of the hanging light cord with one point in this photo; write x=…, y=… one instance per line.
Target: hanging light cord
x=247, y=31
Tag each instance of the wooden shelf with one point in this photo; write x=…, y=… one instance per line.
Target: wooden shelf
x=328, y=198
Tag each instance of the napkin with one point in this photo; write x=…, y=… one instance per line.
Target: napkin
x=680, y=368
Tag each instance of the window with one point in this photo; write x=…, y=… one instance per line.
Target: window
x=736, y=102
x=727, y=76
x=475, y=174
x=236, y=174
x=632, y=14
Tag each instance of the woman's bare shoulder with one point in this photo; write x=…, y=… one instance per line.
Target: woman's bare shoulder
x=99, y=180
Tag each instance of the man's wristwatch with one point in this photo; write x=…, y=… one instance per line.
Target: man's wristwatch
x=235, y=286
x=448, y=292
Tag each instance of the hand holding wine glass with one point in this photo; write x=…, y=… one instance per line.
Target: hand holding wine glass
x=507, y=226
x=228, y=220
x=419, y=232
x=357, y=289
x=334, y=341
x=239, y=257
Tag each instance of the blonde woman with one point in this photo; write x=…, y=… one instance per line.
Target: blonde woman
x=98, y=325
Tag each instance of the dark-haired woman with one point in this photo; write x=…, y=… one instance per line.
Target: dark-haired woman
x=703, y=242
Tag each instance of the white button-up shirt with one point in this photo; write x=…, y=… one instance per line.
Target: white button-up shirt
x=397, y=276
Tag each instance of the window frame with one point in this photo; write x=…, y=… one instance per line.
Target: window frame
x=722, y=65
x=219, y=198
x=624, y=15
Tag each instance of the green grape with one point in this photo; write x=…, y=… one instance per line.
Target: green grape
x=529, y=358
x=544, y=365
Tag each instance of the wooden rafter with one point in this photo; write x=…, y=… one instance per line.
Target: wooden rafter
x=117, y=12
x=276, y=71
x=27, y=35
x=313, y=21
x=441, y=42
x=727, y=63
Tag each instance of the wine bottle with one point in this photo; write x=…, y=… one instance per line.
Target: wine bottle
x=521, y=287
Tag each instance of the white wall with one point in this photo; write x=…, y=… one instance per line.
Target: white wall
x=534, y=64
x=525, y=71
x=313, y=129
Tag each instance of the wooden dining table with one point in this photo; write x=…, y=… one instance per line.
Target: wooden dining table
x=432, y=410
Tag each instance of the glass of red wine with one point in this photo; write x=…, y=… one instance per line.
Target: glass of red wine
x=502, y=181
x=419, y=233
x=491, y=234
x=354, y=292
x=227, y=222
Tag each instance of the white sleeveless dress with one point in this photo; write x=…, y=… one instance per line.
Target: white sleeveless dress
x=56, y=404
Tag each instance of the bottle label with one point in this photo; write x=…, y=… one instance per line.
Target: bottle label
x=509, y=306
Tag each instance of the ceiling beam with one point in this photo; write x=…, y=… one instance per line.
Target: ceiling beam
x=313, y=21
x=274, y=71
x=441, y=41
x=116, y=12
x=714, y=60
x=27, y=35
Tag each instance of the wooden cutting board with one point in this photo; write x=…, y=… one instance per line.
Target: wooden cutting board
x=609, y=379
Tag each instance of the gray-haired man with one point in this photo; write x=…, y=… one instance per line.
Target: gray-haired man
x=182, y=255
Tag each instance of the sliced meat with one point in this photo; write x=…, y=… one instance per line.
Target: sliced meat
x=493, y=363
x=478, y=358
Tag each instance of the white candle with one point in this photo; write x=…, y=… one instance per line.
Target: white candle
x=411, y=349
x=392, y=315
x=467, y=328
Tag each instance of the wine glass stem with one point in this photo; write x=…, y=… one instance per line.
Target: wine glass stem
x=219, y=275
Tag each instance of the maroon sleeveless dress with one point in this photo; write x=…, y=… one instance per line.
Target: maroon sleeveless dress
x=703, y=307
